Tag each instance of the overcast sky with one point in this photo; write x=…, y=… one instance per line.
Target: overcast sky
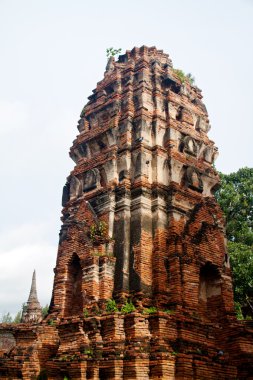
x=53, y=52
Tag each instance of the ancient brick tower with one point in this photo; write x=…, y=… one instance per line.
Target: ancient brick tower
x=144, y=176
x=142, y=286
x=32, y=310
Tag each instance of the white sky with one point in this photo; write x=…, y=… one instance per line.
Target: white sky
x=52, y=56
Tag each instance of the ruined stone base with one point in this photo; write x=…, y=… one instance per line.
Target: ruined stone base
x=131, y=346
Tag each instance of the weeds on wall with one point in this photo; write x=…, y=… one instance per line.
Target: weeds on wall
x=85, y=313
x=98, y=230
x=88, y=352
x=111, y=306
x=150, y=310
x=184, y=77
x=111, y=52
x=128, y=307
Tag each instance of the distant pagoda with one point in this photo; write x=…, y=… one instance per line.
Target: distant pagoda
x=32, y=312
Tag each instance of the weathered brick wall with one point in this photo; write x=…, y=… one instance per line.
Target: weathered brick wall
x=138, y=345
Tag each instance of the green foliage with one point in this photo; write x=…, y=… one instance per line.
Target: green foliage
x=6, y=318
x=111, y=52
x=97, y=253
x=45, y=310
x=150, y=310
x=63, y=358
x=51, y=322
x=98, y=230
x=17, y=318
x=180, y=74
x=241, y=258
x=236, y=200
x=169, y=311
x=128, y=307
x=111, y=306
x=96, y=310
x=85, y=313
x=184, y=77
x=238, y=310
x=88, y=351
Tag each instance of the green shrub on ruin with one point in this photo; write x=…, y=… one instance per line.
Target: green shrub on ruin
x=111, y=306
x=111, y=52
x=184, y=77
x=150, y=310
x=128, y=307
x=85, y=313
x=98, y=230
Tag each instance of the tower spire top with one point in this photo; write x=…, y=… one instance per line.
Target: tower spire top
x=33, y=292
x=32, y=309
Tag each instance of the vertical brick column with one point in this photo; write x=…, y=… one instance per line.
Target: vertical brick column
x=122, y=240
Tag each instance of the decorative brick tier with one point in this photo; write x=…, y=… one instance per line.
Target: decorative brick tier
x=140, y=225
x=132, y=346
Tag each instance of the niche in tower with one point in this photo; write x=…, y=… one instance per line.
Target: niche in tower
x=74, y=299
x=210, y=298
x=91, y=180
x=192, y=179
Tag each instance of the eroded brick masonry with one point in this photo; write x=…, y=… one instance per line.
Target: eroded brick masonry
x=140, y=226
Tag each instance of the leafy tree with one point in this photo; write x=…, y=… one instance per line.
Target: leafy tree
x=6, y=318
x=17, y=318
x=236, y=200
x=241, y=257
x=45, y=310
